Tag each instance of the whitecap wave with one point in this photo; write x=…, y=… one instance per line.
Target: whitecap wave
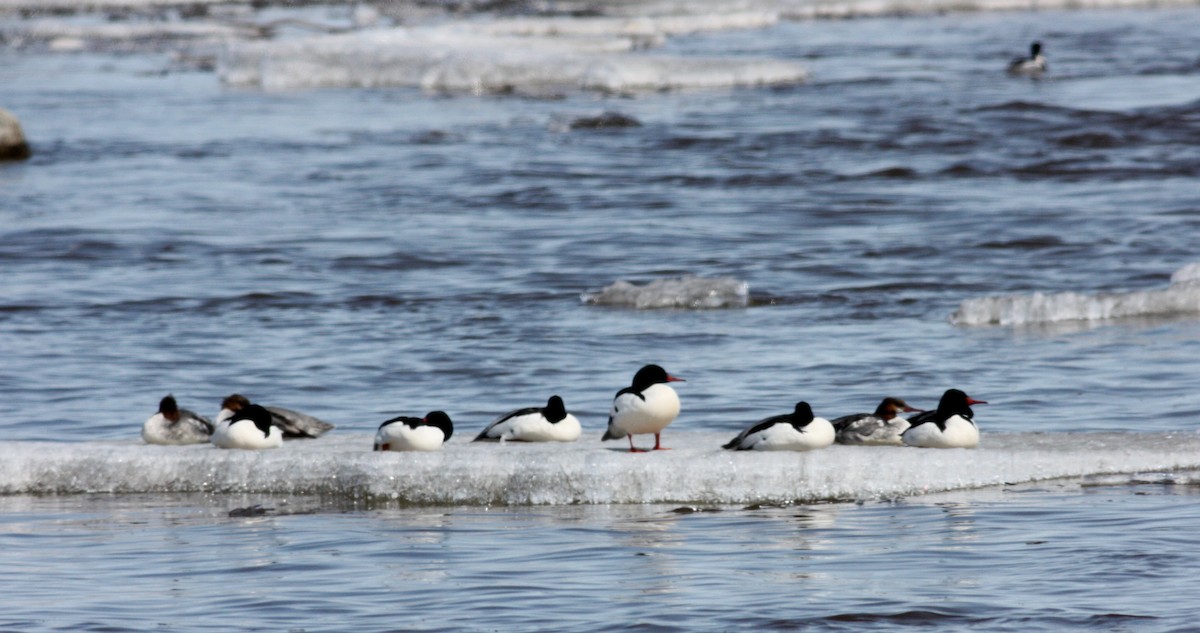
x=1181, y=298
x=682, y=292
x=697, y=471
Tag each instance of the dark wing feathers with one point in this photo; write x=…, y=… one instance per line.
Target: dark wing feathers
x=763, y=425
x=847, y=420
x=483, y=435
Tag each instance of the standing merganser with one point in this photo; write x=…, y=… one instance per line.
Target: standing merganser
x=414, y=434
x=951, y=426
x=550, y=423
x=293, y=424
x=249, y=427
x=799, y=430
x=647, y=406
x=172, y=425
x=880, y=428
x=1035, y=64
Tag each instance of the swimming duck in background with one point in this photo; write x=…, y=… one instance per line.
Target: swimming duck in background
x=293, y=424
x=250, y=427
x=799, y=430
x=550, y=423
x=647, y=406
x=883, y=427
x=172, y=425
x=1035, y=64
x=414, y=434
x=951, y=426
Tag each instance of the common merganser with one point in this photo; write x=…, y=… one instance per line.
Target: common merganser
x=647, y=406
x=550, y=423
x=293, y=424
x=799, y=430
x=1035, y=64
x=249, y=427
x=172, y=425
x=414, y=434
x=883, y=427
x=952, y=425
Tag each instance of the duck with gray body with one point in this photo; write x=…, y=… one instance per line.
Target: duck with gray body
x=881, y=428
x=173, y=426
x=293, y=424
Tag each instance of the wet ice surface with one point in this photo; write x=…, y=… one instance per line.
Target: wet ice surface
x=695, y=471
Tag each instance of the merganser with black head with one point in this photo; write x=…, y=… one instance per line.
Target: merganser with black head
x=952, y=425
x=881, y=428
x=414, y=434
x=172, y=425
x=1033, y=65
x=293, y=424
x=799, y=430
x=249, y=428
x=550, y=423
x=647, y=406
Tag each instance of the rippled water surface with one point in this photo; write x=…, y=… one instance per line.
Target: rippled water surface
x=1047, y=559
x=359, y=253
x=356, y=253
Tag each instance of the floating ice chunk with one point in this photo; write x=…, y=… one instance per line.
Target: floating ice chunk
x=683, y=292
x=654, y=28
x=464, y=59
x=56, y=31
x=1189, y=274
x=61, y=6
x=697, y=471
x=1182, y=297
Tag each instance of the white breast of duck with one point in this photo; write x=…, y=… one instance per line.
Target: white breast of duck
x=650, y=412
x=952, y=425
x=249, y=428
x=955, y=432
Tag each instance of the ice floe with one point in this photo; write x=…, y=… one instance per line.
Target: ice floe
x=697, y=471
x=680, y=292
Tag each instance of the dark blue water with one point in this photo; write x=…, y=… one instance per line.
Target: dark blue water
x=360, y=253
x=1049, y=559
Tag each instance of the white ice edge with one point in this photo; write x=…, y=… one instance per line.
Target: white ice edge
x=697, y=470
